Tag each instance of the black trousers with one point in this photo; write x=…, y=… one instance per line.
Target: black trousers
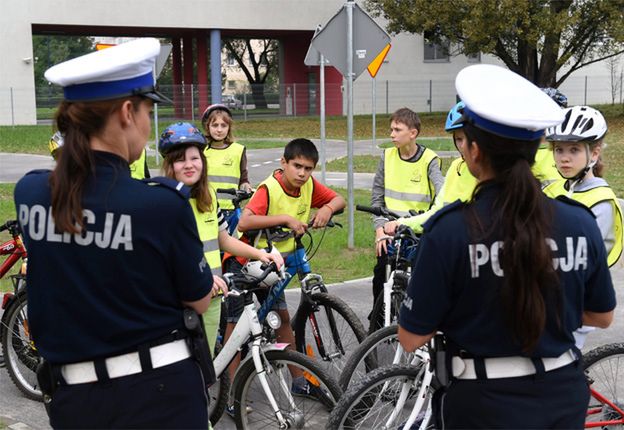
x=554, y=400
x=169, y=397
x=379, y=276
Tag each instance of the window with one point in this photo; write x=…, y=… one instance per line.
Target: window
x=231, y=85
x=436, y=51
x=230, y=61
x=474, y=58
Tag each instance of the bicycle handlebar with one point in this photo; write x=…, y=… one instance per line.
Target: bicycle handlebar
x=10, y=225
x=234, y=280
x=378, y=211
x=239, y=195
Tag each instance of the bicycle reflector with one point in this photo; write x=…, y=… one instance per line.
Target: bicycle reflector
x=274, y=320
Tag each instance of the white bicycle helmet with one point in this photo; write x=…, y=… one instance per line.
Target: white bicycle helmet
x=255, y=268
x=581, y=124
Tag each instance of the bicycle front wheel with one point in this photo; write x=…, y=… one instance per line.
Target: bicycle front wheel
x=379, y=349
x=336, y=332
x=374, y=402
x=604, y=367
x=218, y=393
x=20, y=355
x=310, y=410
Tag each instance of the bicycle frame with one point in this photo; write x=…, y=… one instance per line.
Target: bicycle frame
x=597, y=410
x=14, y=248
x=249, y=326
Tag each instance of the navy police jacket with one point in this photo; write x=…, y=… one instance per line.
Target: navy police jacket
x=120, y=283
x=456, y=280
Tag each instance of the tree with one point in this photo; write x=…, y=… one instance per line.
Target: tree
x=615, y=76
x=263, y=63
x=535, y=38
x=51, y=50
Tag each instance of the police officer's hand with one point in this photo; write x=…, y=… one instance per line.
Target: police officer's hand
x=381, y=239
x=219, y=285
x=322, y=216
x=390, y=227
x=296, y=226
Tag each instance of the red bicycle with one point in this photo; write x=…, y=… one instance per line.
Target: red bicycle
x=606, y=379
x=20, y=354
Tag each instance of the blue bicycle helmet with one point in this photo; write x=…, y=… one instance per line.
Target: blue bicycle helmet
x=180, y=133
x=557, y=96
x=453, y=116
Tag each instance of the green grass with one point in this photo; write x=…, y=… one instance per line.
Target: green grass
x=333, y=260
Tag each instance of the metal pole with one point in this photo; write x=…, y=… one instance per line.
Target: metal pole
x=349, y=5
x=156, y=132
x=374, y=111
x=295, y=99
x=245, y=104
x=192, y=104
x=585, y=97
x=323, y=142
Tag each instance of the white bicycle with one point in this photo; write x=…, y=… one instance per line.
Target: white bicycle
x=262, y=383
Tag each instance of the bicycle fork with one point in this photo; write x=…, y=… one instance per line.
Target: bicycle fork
x=263, y=367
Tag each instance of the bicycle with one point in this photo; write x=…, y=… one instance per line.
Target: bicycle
x=602, y=368
x=232, y=216
x=20, y=354
x=391, y=397
x=384, y=395
x=401, y=249
x=325, y=326
x=262, y=395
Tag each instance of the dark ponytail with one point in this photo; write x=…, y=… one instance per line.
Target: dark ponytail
x=78, y=121
x=522, y=213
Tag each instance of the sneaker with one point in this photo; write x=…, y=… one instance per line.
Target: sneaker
x=301, y=387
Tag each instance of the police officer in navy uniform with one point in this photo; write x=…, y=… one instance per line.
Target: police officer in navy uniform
x=113, y=262
x=508, y=276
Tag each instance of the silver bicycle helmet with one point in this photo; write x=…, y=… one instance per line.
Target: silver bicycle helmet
x=581, y=124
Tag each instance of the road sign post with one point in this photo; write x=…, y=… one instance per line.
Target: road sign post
x=349, y=40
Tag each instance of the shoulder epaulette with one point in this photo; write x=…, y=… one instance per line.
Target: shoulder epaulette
x=38, y=172
x=565, y=199
x=179, y=187
x=451, y=207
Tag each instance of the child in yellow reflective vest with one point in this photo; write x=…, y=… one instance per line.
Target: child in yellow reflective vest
x=182, y=146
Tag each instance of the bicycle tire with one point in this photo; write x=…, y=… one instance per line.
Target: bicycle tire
x=369, y=402
x=219, y=393
x=349, y=328
x=20, y=355
x=377, y=350
x=252, y=409
x=377, y=320
x=602, y=366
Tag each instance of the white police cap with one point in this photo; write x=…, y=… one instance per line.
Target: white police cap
x=504, y=103
x=120, y=71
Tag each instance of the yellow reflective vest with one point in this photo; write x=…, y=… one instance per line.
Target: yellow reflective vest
x=459, y=184
x=208, y=229
x=544, y=168
x=281, y=203
x=407, y=184
x=224, y=170
x=137, y=169
x=590, y=198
